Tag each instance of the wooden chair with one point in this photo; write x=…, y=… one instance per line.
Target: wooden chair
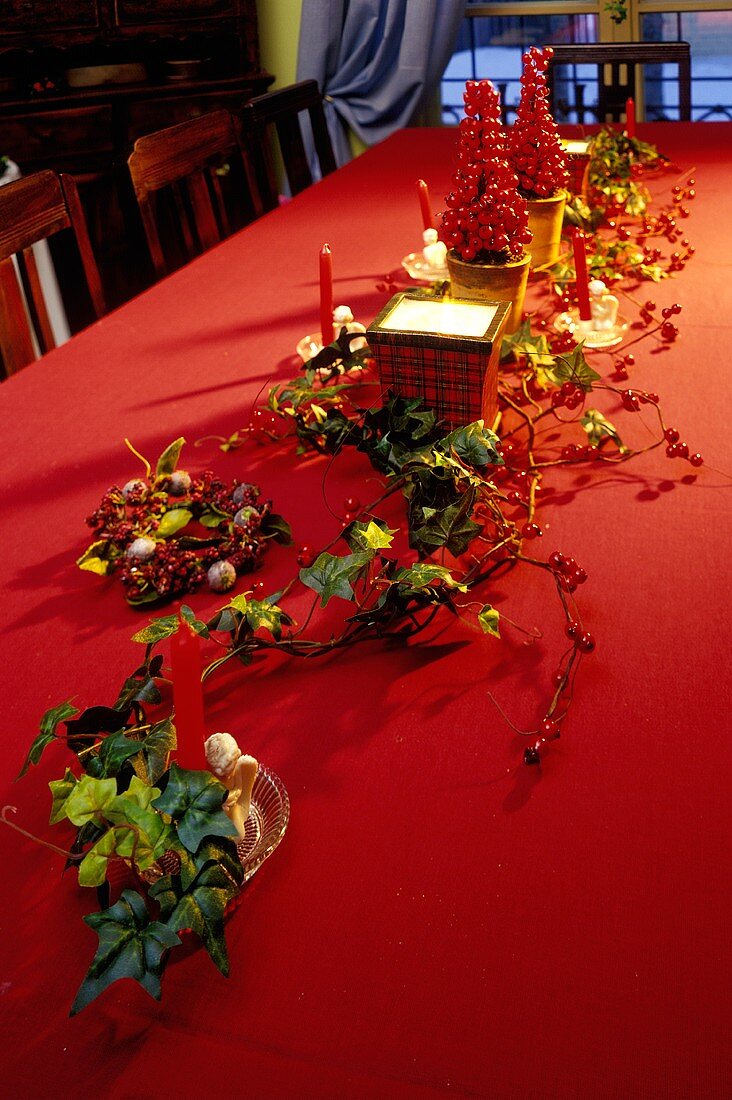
x=32, y=209
x=281, y=110
x=616, y=72
x=191, y=165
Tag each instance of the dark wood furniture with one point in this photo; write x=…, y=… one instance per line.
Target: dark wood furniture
x=189, y=57
x=616, y=72
x=278, y=113
x=31, y=210
x=188, y=165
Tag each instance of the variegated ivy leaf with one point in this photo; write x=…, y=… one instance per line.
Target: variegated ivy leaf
x=330, y=575
x=374, y=535
x=573, y=367
x=426, y=574
x=489, y=618
x=599, y=428
x=158, y=629
x=60, y=791
x=98, y=558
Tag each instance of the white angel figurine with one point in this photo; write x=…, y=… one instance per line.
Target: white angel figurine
x=603, y=306
x=237, y=772
x=434, y=251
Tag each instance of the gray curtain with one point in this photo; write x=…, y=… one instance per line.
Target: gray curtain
x=376, y=61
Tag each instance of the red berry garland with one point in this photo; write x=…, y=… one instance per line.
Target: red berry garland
x=486, y=219
x=534, y=150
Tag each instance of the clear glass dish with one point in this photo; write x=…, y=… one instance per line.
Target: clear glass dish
x=595, y=339
x=267, y=821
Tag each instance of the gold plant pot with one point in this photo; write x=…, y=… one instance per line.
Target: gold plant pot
x=545, y=222
x=494, y=282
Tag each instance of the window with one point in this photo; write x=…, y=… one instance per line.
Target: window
x=494, y=35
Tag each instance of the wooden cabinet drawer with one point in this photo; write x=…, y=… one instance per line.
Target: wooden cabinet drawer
x=149, y=115
x=139, y=12
x=30, y=15
x=43, y=138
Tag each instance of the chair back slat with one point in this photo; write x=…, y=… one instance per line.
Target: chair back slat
x=179, y=165
x=617, y=64
x=32, y=209
x=35, y=299
x=279, y=112
x=16, y=340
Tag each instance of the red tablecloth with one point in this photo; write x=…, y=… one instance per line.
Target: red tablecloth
x=438, y=918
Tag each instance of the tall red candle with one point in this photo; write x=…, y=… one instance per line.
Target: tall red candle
x=428, y=218
x=630, y=118
x=185, y=655
x=326, y=295
x=580, y=266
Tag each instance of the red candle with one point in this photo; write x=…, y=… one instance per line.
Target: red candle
x=185, y=655
x=580, y=266
x=326, y=295
x=428, y=218
x=630, y=118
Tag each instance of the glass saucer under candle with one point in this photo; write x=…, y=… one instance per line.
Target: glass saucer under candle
x=417, y=268
x=594, y=339
x=269, y=814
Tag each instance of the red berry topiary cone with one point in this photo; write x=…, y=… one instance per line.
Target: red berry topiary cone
x=534, y=149
x=486, y=219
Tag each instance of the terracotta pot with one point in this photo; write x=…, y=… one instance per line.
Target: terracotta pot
x=491, y=282
x=545, y=222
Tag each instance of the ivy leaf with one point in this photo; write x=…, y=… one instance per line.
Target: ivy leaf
x=97, y=558
x=130, y=946
x=449, y=527
x=488, y=618
x=261, y=613
x=523, y=342
x=225, y=621
x=49, y=724
x=194, y=801
x=426, y=574
x=156, y=748
x=599, y=428
x=172, y=521
x=276, y=527
x=371, y=536
x=474, y=444
x=60, y=791
x=111, y=755
x=197, y=899
x=169, y=458
x=157, y=629
x=140, y=687
x=90, y=799
x=573, y=367
x=196, y=625
x=93, y=867
x=330, y=575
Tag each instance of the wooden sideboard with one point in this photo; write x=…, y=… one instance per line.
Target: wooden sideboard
x=80, y=80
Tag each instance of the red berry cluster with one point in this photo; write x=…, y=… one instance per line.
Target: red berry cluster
x=534, y=150
x=486, y=219
x=676, y=448
x=568, y=396
x=570, y=574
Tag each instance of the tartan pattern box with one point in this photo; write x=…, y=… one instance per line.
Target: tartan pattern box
x=456, y=375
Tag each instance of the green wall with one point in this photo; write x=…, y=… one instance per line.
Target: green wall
x=279, y=31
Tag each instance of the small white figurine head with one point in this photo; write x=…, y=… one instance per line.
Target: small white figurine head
x=597, y=288
x=430, y=236
x=222, y=753
x=342, y=315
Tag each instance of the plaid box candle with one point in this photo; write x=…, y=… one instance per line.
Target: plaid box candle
x=444, y=350
x=578, y=158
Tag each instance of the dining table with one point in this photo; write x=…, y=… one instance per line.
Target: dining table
x=439, y=918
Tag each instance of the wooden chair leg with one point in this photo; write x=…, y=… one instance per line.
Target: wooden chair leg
x=16, y=341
